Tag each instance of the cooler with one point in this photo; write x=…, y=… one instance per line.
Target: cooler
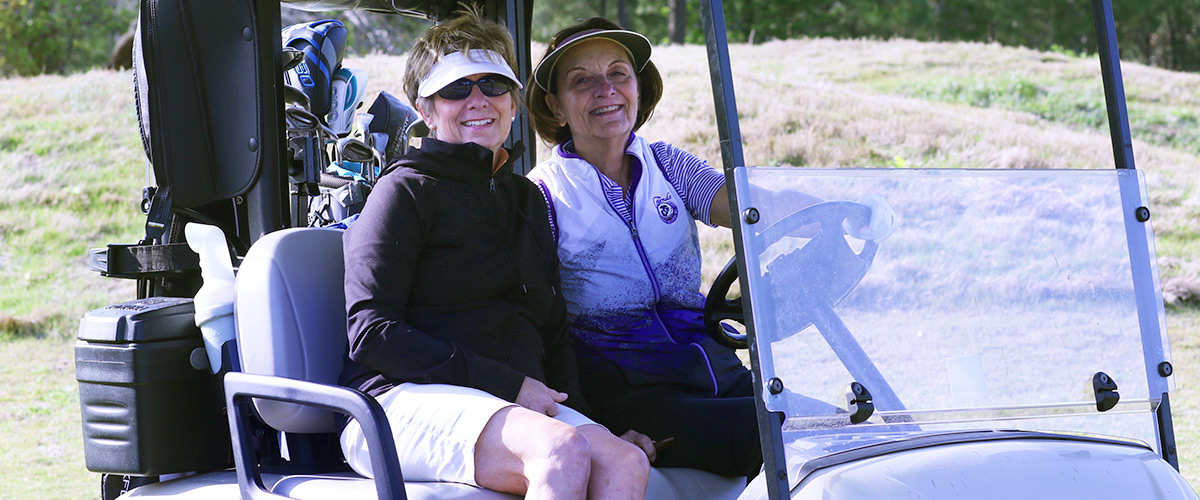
x=146, y=409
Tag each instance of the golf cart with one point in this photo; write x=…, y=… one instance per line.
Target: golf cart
x=1007, y=340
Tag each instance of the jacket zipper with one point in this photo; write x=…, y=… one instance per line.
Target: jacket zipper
x=637, y=243
x=504, y=237
x=504, y=242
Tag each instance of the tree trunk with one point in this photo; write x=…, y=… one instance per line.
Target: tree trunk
x=677, y=21
x=623, y=8
x=122, y=52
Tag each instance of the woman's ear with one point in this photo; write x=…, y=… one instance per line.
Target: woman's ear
x=556, y=110
x=426, y=115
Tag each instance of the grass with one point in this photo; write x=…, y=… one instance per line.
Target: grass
x=42, y=453
x=76, y=184
x=76, y=169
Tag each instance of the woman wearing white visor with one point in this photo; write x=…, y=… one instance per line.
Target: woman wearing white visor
x=455, y=320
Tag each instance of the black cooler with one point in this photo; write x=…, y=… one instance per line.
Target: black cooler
x=146, y=410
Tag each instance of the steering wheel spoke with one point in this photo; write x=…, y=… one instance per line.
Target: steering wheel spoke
x=809, y=281
x=804, y=268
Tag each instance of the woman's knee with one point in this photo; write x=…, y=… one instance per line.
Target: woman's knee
x=562, y=448
x=621, y=456
x=566, y=441
x=520, y=446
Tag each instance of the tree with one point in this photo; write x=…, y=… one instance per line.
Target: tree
x=677, y=23
x=58, y=36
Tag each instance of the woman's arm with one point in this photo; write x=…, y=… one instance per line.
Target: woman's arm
x=698, y=182
x=719, y=212
x=792, y=199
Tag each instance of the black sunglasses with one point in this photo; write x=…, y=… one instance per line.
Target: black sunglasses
x=491, y=86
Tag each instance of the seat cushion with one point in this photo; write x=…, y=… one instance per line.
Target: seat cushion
x=665, y=484
x=348, y=486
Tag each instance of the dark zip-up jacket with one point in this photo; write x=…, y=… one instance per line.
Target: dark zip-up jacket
x=452, y=278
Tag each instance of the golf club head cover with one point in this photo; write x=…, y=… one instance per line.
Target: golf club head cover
x=396, y=119
x=323, y=44
x=347, y=92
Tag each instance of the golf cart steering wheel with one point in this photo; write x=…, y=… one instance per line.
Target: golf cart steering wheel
x=823, y=271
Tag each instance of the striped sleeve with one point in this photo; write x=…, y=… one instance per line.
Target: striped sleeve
x=694, y=179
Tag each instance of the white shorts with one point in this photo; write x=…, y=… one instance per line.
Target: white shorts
x=435, y=427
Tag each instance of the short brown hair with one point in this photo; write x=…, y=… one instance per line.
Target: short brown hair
x=468, y=30
x=650, y=88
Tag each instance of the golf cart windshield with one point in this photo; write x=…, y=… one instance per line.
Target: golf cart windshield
x=995, y=303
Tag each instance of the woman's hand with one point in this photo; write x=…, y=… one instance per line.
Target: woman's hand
x=535, y=396
x=882, y=223
x=641, y=441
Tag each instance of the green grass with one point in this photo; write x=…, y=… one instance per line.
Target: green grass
x=41, y=455
x=75, y=184
x=75, y=170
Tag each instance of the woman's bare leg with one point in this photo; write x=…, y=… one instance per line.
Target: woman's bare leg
x=619, y=468
x=527, y=453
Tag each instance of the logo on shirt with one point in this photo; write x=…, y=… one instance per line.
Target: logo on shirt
x=666, y=209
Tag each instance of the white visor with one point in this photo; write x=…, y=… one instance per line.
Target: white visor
x=457, y=65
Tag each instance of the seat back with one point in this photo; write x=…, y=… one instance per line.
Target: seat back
x=208, y=92
x=291, y=318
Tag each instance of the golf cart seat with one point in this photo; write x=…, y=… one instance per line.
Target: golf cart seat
x=291, y=323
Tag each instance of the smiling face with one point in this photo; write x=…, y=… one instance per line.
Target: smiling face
x=483, y=120
x=596, y=92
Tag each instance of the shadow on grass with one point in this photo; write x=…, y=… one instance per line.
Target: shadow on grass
x=57, y=327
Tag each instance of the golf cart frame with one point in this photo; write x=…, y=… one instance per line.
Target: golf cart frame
x=1149, y=302
x=224, y=161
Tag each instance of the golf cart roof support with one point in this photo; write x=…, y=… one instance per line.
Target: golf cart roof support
x=1136, y=217
x=1166, y=431
x=1114, y=88
x=769, y=423
x=265, y=204
x=518, y=16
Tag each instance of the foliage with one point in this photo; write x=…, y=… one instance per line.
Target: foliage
x=58, y=36
x=65, y=36
x=1163, y=33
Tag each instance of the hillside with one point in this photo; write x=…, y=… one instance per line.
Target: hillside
x=76, y=171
